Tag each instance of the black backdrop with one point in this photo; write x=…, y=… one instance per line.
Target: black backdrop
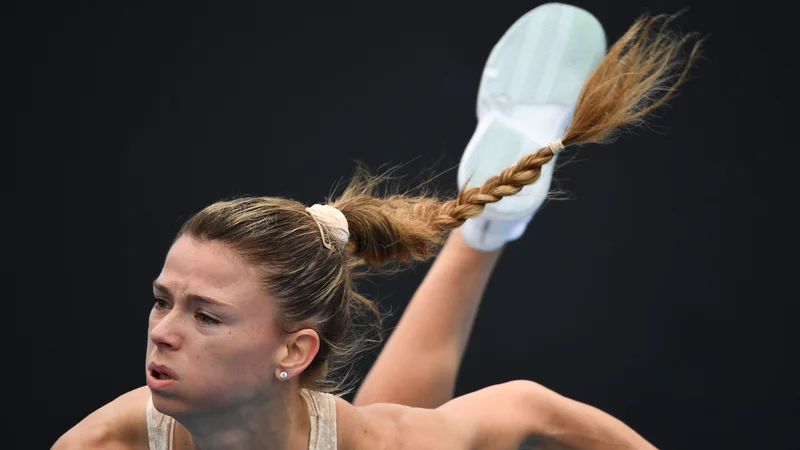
x=661, y=292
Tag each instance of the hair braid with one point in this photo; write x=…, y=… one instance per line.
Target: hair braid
x=471, y=201
x=635, y=77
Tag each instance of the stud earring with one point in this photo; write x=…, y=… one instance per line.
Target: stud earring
x=284, y=375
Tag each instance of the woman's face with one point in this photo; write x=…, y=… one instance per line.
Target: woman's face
x=213, y=328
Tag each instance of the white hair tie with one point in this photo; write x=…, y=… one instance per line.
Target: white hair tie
x=333, y=220
x=556, y=146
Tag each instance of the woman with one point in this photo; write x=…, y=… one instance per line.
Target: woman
x=255, y=305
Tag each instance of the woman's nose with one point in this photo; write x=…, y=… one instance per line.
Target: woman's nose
x=166, y=332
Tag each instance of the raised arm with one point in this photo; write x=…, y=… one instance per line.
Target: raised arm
x=419, y=364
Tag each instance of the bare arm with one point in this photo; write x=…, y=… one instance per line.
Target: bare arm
x=118, y=425
x=420, y=361
x=519, y=412
x=578, y=425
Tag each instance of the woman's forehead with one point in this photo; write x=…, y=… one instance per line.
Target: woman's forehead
x=207, y=269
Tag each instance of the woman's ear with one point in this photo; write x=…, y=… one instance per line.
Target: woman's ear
x=296, y=353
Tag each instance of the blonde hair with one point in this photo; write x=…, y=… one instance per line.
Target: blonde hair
x=314, y=284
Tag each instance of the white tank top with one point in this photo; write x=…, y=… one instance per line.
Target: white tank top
x=159, y=428
x=321, y=410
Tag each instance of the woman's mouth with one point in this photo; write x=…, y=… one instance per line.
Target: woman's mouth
x=160, y=376
x=161, y=372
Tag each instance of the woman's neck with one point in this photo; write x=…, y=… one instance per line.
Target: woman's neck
x=279, y=424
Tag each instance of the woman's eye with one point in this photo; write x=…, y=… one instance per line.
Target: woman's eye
x=160, y=304
x=207, y=320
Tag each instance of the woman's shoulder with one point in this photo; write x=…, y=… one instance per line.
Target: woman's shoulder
x=118, y=425
x=389, y=426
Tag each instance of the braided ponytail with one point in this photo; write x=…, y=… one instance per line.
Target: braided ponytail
x=639, y=73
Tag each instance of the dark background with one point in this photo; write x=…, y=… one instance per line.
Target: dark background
x=662, y=293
